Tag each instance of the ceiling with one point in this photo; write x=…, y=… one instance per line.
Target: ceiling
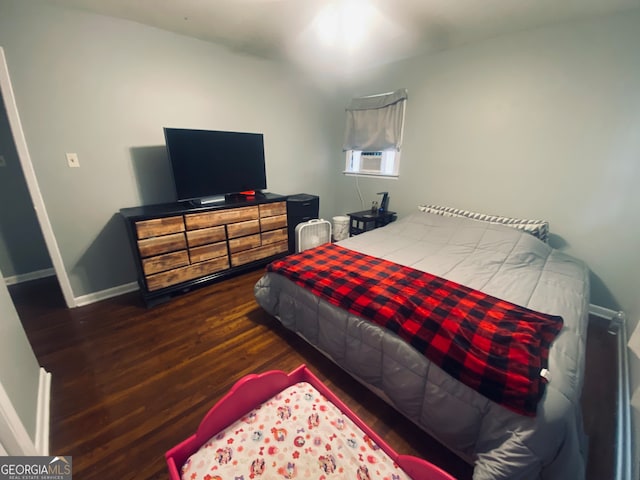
x=390, y=29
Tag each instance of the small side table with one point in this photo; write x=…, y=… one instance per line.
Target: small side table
x=360, y=222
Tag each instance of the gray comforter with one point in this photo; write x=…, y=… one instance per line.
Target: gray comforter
x=497, y=260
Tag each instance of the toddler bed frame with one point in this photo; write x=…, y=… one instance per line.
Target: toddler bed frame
x=253, y=390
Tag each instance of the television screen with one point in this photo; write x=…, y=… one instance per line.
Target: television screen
x=209, y=163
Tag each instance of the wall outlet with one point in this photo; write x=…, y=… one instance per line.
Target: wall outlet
x=72, y=160
x=3, y=162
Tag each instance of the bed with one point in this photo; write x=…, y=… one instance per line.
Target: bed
x=488, y=256
x=279, y=425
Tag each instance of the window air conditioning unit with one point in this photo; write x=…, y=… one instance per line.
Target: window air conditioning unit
x=371, y=162
x=312, y=234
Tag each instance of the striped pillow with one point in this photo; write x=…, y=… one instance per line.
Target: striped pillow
x=537, y=228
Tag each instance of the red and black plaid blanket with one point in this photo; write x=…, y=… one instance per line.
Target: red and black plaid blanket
x=493, y=346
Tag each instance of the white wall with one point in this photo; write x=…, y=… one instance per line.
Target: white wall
x=104, y=88
x=19, y=369
x=542, y=124
x=17, y=217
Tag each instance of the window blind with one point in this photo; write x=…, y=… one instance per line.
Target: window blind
x=374, y=123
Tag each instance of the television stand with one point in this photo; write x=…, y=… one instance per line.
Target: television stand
x=178, y=246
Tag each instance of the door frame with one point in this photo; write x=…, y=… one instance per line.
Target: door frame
x=13, y=436
x=32, y=182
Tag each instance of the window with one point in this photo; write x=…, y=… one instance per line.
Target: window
x=373, y=135
x=386, y=163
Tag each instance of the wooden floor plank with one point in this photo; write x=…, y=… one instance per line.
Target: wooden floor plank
x=129, y=382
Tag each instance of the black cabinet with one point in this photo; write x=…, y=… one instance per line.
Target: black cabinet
x=300, y=208
x=360, y=222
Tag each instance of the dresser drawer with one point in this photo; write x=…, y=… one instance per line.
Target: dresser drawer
x=274, y=236
x=244, y=243
x=273, y=223
x=241, y=229
x=207, y=252
x=220, y=217
x=205, y=235
x=160, y=263
x=159, y=226
x=179, y=275
x=273, y=209
x=248, y=256
x=158, y=245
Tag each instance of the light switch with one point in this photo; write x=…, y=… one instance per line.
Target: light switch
x=3, y=162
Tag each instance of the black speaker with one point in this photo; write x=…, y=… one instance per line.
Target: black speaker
x=301, y=207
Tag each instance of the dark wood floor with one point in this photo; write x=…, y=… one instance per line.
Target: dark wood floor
x=130, y=382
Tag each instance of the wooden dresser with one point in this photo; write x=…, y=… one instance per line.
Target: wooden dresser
x=177, y=246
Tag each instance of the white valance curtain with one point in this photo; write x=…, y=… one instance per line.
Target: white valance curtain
x=374, y=123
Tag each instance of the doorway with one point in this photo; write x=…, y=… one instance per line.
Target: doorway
x=41, y=217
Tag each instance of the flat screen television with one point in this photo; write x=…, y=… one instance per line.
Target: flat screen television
x=209, y=164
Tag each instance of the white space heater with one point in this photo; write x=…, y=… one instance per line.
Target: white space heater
x=312, y=233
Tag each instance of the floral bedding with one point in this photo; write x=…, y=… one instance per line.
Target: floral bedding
x=296, y=434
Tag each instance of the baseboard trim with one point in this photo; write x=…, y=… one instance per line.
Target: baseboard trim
x=105, y=294
x=26, y=277
x=81, y=300
x=43, y=413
